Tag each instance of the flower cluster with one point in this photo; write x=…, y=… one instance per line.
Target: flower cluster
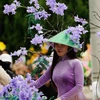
x=57, y=8
x=39, y=13
x=21, y=51
x=80, y=20
x=38, y=27
x=11, y=8
x=19, y=89
x=38, y=39
x=77, y=31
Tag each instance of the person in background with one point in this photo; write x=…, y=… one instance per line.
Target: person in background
x=4, y=77
x=6, y=62
x=19, y=68
x=66, y=71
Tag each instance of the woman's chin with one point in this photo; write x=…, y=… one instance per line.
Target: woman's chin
x=60, y=55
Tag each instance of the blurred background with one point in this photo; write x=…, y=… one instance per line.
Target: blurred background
x=14, y=30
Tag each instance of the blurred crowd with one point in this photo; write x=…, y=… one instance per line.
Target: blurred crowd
x=10, y=69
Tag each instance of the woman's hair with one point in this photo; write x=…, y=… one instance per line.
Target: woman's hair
x=71, y=55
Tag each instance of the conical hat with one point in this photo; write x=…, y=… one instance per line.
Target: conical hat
x=63, y=38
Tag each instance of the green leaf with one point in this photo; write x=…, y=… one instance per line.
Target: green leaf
x=33, y=73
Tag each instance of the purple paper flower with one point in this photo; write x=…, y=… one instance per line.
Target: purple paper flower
x=19, y=89
x=55, y=7
x=37, y=39
x=50, y=2
x=19, y=52
x=16, y=53
x=17, y=3
x=9, y=9
x=59, y=8
x=22, y=51
x=20, y=59
x=31, y=9
x=81, y=20
x=25, y=94
x=33, y=1
x=38, y=27
x=76, y=34
x=41, y=14
x=37, y=6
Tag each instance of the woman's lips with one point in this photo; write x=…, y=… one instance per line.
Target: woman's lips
x=59, y=51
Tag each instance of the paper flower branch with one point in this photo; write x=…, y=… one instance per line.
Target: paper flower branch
x=19, y=89
x=36, y=13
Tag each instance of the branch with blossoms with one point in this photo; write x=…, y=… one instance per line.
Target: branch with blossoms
x=19, y=89
x=77, y=31
x=40, y=35
x=36, y=13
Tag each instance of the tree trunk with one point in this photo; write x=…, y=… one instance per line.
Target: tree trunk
x=94, y=12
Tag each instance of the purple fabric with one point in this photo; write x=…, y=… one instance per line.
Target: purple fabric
x=68, y=77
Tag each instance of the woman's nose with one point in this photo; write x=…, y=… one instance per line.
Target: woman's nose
x=59, y=46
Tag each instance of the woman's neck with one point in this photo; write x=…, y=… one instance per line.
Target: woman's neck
x=65, y=57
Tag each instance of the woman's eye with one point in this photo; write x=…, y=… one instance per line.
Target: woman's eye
x=56, y=44
x=62, y=45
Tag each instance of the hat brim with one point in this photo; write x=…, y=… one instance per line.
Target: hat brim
x=63, y=38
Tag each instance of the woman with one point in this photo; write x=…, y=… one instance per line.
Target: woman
x=66, y=71
x=6, y=62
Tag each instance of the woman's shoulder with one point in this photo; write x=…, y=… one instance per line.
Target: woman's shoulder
x=74, y=62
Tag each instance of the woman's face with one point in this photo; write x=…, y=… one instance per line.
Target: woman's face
x=60, y=49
